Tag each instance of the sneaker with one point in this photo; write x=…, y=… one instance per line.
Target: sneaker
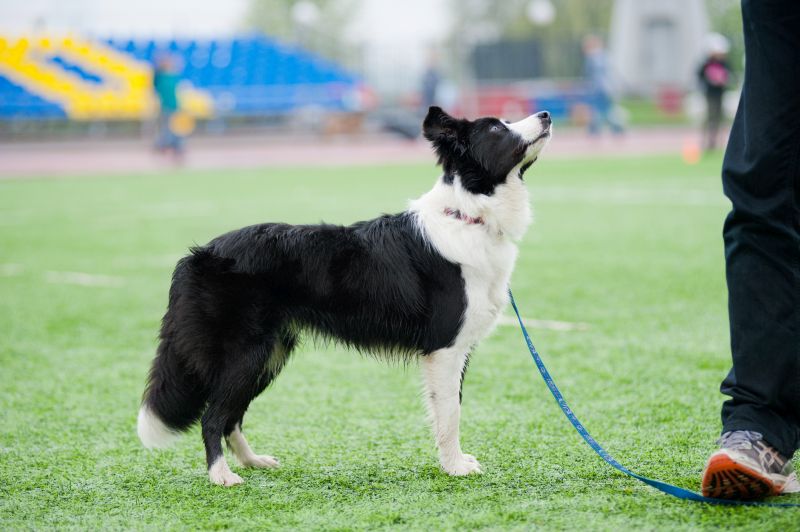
x=746, y=467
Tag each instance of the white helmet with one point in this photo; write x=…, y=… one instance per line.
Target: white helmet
x=717, y=44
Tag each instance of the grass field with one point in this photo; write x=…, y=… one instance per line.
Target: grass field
x=630, y=247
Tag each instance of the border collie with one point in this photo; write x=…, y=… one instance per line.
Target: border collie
x=429, y=282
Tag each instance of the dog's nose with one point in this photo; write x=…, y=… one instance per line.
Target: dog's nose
x=544, y=116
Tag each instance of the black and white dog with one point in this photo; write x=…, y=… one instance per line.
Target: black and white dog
x=429, y=282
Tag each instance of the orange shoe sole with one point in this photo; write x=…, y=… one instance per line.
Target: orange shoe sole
x=725, y=478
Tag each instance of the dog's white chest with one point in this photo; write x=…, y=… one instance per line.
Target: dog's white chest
x=485, y=252
x=486, y=287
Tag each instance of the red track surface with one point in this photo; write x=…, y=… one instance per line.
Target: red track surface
x=56, y=159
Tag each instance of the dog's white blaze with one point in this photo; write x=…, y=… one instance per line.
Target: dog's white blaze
x=153, y=433
x=528, y=128
x=531, y=129
x=219, y=473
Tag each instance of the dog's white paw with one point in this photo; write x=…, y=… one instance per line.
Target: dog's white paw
x=261, y=461
x=225, y=478
x=465, y=464
x=221, y=475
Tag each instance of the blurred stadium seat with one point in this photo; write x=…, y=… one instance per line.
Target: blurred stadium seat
x=69, y=77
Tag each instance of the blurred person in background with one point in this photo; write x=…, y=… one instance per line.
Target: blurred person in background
x=598, y=77
x=761, y=177
x=165, y=83
x=430, y=83
x=715, y=77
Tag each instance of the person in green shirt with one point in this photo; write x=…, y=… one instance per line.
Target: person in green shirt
x=165, y=84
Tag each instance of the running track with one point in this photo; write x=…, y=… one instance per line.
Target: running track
x=58, y=159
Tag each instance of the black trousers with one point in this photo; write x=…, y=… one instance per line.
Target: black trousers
x=761, y=177
x=713, y=119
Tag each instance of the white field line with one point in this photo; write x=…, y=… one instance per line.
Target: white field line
x=553, y=325
x=83, y=279
x=629, y=196
x=11, y=269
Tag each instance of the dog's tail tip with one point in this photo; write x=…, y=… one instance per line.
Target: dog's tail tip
x=152, y=431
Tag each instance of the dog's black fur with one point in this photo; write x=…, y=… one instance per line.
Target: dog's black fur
x=237, y=304
x=375, y=285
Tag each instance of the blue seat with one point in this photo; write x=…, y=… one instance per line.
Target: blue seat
x=257, y=73
x=16, y=102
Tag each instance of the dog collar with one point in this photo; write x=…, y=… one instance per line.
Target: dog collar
x=455, y=213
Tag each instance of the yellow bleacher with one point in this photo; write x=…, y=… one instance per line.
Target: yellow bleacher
x=124, y=90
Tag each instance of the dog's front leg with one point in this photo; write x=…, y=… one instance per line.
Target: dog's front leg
x=443, y=372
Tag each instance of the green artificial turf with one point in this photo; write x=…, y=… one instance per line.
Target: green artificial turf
x=631, y=247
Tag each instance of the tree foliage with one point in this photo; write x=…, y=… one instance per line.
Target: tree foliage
x=725, y=17
x=325, y=36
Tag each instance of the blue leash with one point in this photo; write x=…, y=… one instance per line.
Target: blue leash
x=669, y=489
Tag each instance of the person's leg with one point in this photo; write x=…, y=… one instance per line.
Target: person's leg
x=176, y=143
x=172, y=138
x=714, y=103
x=162, y=131
x=761, y=174
x=761, y=177
x=598, y=113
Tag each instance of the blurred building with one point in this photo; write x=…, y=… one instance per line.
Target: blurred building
x=657, y=45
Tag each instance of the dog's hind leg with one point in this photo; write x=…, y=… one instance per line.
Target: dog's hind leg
x=443, y=372
x=238, y=443
x=213, y=425
x=238, y=382
x=246, y=456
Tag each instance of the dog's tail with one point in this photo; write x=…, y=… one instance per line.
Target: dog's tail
x=173, y=401
x=175, y=397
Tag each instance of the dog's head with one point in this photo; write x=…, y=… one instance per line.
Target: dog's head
x=486, y=152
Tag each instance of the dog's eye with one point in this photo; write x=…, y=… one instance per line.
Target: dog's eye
x=495, y=129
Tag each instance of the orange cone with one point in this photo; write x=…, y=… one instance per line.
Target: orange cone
x=691, y=152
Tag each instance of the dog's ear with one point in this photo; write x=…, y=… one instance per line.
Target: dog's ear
x=444, y=131
x=439, y=125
